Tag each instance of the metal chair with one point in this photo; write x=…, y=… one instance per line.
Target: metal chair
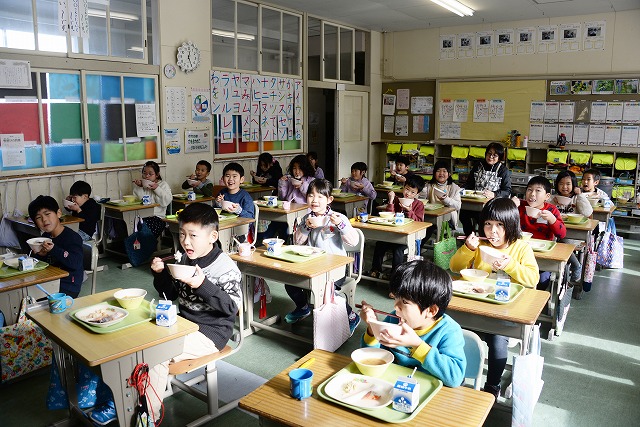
x=474, y=351
x=354, y=273
x=91, y=252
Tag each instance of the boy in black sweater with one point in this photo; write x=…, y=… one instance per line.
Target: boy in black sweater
x=65, y=249
x=84, y=207
x=211, y=298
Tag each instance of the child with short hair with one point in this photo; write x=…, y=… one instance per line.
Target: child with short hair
x=413, y=185
x=210, y=299
x=443, y=181
x=401, y=172
x=65, y=249
x=430, y=339
x=204, y=185
x=84, y=207
x=269, y=171
x=331, y=236
x=159, y=192
x=313, y=159
x=500, y=224
x=359, y=184
x=590, y=181
x=242, y=203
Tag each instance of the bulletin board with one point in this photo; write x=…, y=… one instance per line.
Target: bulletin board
x=517, y=96
x=416, y=89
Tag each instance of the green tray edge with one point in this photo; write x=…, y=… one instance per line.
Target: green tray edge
x=15, y=272
x=512, y=297
x=291, y=257
x=117, y=326
x=391, y=376
x=392, y=224
x=550, y=245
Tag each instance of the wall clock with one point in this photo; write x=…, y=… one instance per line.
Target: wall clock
x=188, y=56
x=169, y=71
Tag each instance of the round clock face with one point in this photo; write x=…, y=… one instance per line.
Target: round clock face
x=188, y=57
x=169, y=71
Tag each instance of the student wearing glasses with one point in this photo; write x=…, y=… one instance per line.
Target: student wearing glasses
x=489, y=176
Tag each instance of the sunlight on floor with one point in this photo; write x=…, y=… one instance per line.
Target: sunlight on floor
x=623, y=349
x=577, y=370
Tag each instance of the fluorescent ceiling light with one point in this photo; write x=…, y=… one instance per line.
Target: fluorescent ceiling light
x=113, y=15
x=455, y=7
x=231, y=35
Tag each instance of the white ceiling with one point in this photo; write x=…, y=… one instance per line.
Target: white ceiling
x=400, y=15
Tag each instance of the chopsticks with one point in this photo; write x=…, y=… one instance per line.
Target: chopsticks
x=379, y=311
x=168, y=258
x=465, y=238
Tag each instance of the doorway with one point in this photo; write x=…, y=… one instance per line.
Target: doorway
x=322, y=129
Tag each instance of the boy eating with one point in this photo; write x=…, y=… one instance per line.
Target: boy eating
x=242, y=203
x=84, y=207
x=429, y=339
x=401, y=172
x=590, y=181
x=204, y=186
x=65, y=249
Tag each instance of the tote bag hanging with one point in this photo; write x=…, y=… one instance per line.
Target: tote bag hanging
x=140, y=244
x=590, y=261
x=330, y=321
x=8, y=237
x=611, y=247
x=23, y=347
x=444, y=249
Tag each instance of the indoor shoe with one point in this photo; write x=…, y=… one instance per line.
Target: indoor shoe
x=297, y=314
x=354, y=321
x=373, y=273
x=104, y=414
x=493, y=389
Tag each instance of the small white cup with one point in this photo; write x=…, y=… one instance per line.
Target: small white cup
x=286, y=205
x=246, y=249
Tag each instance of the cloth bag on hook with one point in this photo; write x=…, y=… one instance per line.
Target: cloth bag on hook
x=8, y=237
x=140, y=244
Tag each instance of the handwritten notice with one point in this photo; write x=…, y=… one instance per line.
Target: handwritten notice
x=403, y=99
x=197, y=141
x=146, y=122
x=15, y=74
x=422, y=105
x=480, y=110
x=176, y=104
x=13, y=151
x=496, y=110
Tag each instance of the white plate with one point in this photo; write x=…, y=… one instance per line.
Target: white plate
x=479, y=289
x=376, y=220
x=537, y=245
x=15, y=263
x=180, y=196
x=304, y=250
x=95, y=315
x=352, y=389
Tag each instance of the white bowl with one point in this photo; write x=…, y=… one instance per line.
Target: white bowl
x=193, y=181
x=316, y=221
x=473, y=275
x=405, y=201
x=279, y=242
x=574, y=218
x=526, y=235
x=537, y=245
x=102, y=315
x=227, y=205
x=36, y=243
x=130, y=298
x=295, y=181
x=68, y=203
x=179, y=271
x=378, y=326
x=593, y=201
x=303, y=250
x=371, y=354
x=146, y=183
x=490, y=254
x=562, y=200
x=438, y=192
x=386, y=215
x=533, y=212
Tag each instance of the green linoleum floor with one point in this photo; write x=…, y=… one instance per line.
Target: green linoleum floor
x=591, y=373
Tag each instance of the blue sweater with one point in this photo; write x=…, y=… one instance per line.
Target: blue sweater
x=242, y=198
x=445, y=359
x=67, y=254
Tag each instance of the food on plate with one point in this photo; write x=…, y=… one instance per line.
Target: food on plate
x=353, y=385
x=372, y=395
x=103, y=315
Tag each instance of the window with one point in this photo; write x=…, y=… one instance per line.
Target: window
x=335, y=52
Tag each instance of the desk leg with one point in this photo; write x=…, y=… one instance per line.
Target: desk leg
x=248, y=307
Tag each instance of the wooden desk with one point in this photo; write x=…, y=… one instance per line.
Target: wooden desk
x=438, y=215
x=349, y=204
x=298, y=210
x=603, y=214
x=513, y=320
x=13, y=289
x=25, y=225
x=380, y=190
x=128, y=214
x=115, y=354
x=405, y=235
x=181, y=203
x=311, y=275
x=257, y=192
x=226, y=230
x=473, y=204
x=450, y=407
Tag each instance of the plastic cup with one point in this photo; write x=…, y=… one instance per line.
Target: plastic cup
x=300, y=383
x=246, y=249
x=59, y=302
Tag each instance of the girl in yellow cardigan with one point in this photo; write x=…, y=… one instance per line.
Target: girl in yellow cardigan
x=500, y=224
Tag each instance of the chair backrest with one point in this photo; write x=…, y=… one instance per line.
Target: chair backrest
x=100, y=226
x=357, y=252
x=474, y=351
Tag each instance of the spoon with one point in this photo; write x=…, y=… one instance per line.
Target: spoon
x=43, y=290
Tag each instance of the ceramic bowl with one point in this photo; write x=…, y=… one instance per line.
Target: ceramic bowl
x=316, y=221
x=473, y=275
x=129, y=198
x=537, y=245
x=295, y=181
x=130, y=298
x=278, y=242
x=593, y=201
x=563, y=201
x=193, y=181
x=438, y=192
x=574, y=218
x=36, y=243
x=386, y=215
x=526, y=235
x=490, y=254
x=67, y=203
x=404, y=201
x=179, y=271
x=387, y=183
x=336, y=191
x=378, y=326
x=146, y=183
x=533, y=212
x=227, y=205
x=382, y=357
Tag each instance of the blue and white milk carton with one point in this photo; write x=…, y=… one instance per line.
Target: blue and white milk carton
x=166, y=313
x=503, y=286
x=406, y=394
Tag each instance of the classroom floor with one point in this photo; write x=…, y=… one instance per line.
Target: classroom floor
x=591, y=372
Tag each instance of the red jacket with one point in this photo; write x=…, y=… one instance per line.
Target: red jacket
x=416, y=212
x=544, y=231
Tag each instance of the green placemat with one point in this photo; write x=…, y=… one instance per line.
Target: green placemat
x=429, y=386
x=6, y=271
x=115, y=203
x=390, y=223
x=539, y=245
x=514, y=292
x=139, y=315
x=289, y=255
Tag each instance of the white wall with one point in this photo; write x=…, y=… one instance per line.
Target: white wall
x=415, y=54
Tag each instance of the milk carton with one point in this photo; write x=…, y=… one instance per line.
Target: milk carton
x=406, y=394
x=503, y=286
x=166, y=313
x=26, y=263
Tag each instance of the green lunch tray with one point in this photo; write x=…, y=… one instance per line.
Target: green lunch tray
x=137, y=202
x=289, y=255
x=429, y=386
x=432, y=206
x=224, y=216
x=6, y=271
x=251, y=186
x=141, y=314
x=263, y=204
x=545, y=245
x=393, y=187
x=582, y=221
x=343, y=195
x=390, y=223
x=514, y=292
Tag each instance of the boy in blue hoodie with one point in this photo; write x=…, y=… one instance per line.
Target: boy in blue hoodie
x=430, y=340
